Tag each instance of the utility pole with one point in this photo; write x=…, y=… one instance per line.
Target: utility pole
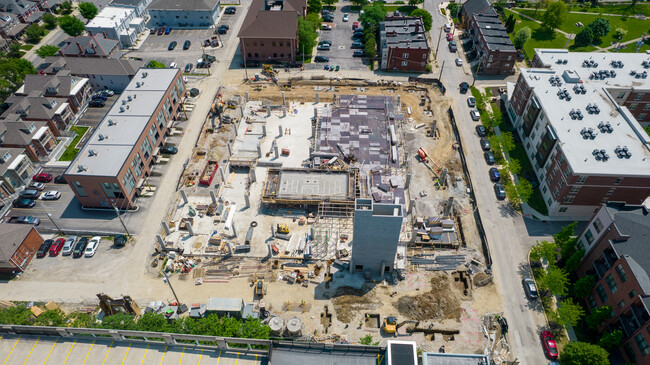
x=205, y=60
x=121, y=221
x=49, y=215
x=439, y=37
x=170, y=287
x=441, y=68
x=243, y=53
x=478, y=66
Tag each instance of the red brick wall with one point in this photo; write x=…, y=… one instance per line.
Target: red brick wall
x=25, y=252
x=640, y=105
x=269, y=49
x=520, y=95
x=416, y=56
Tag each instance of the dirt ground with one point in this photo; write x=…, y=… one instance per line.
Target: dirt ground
x=440, y=302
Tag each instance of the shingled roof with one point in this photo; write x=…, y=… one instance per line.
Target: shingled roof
x=262, y=23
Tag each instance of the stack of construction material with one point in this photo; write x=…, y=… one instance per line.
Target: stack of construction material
x=439, y=262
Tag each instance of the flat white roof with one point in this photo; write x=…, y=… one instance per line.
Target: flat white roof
x=626, y=131
x=116, y=135
x=108, y=16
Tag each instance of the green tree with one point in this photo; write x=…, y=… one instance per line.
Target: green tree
x=314, y=6
x=47, y=50
x=584, y=37
x=568, y=313
x=510, y=23
x=556, y=280
x=454, y=9
x=555, y=15
x=18, y=315
x=521, y=37
x=520, y=192
x=12, y=74
x=511, y=167
x=329, y=2
x=14, y=50
x=52, y=318
x=66, y=7
x=373, y=14
x=71, y=25
x=415, y=2
x=34, y=33
x=573, y=261
x=566, y=240
x=371, y=48
x=611, y=340
x=580, y=353
x=359, y=2
x=88, y=10
x=583, y=286
x=156, y=64
x=620, y=33
x=315, y=19
x=119, y=321
x=544, y=250
x=600, y=27
x=539, y=4
x=306, y=35
x=598, y=316
x=427, y=19
x=49, y=20
x=366, y=340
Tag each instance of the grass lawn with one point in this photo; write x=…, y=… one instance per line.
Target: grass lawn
x=401, y=8
x=621, y=9
x=540, y=37
x=635, y=27
x=70, y=151
x=630, y=48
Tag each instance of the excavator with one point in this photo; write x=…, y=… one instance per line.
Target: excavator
x=260, y=288
x=283, y=229
x=391, y=326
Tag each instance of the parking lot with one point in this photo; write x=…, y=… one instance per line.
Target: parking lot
x=93, y=115
x=341, y=37
x=155, y=47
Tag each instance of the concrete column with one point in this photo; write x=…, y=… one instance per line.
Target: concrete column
x=184, y=196
x=411, y=204
x=252, y=176
x=269, y=250
x=443, y=177
x=234, y=232
x=248, y=202
x=116, y=335
x=283, y=99
x=246, y=96
x=241, y=111
x=280, y=131
x=284, y=111
x=408, y=181
x=259, y=151
x=399, y=101
x=263, y=130
x=236, y=130
x=268, y=110
x=189, y=228
x=161, y=242
x=229, y=149
x=223, y=176
x=229, y=249
x=272, y=231
x=315, y=112
x=317, y=98
x=275, y=149
x=166, y=227
x=334, y=99
x=213, y=197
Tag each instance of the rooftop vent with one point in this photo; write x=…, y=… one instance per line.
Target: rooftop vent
x=579, y=89
x=129, y=98
x=645, y=64
x=570, y=76
x=555, y=81
x=622, y=152
x=600, y=155
x=639, y=75
x=112, y=122
x=576, y=114
x=617, y=64
x=564, y=94
x=588, y=133
x=593, y=109
x=121, y=109
x=605, y=127
x=123, y=101
x=102, y=137
x=589, y=63
x=81, y=168
x=92, y=153
x=144, y=74
x=138, y=84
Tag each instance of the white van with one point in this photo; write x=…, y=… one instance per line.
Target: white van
x=173, y=65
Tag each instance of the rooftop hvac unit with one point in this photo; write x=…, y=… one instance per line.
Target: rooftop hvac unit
x=144, y=74
x=111, y=122
x=121, y=109
x=137, y=84
x=129, y=98
x=92, y=153
x=81, y=168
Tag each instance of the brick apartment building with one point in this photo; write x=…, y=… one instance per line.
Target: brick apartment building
x=585, y=148
x=616, y=240
x=495, y=52
x=35, y=138
x=403, y=44
x=115, y=162
x=269, y=32
x=18, y=246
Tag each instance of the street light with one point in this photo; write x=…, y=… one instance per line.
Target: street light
x=49, y=215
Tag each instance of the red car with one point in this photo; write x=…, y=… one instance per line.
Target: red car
x=550, y=347
x=57, y=246
x=450, y=37
x=43, y=177
x=355, y=25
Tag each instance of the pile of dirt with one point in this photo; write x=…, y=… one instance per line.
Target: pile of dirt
x=349, y=301
x=480, y=276
x=441, y=302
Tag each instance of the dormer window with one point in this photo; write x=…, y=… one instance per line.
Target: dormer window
x=6, y=157
x=51, y=90
x=31, y=128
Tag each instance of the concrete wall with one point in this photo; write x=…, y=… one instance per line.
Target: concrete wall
x=376, y=235
x=116, y=83
x=185, y=18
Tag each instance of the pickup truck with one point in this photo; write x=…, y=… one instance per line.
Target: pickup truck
x=25, y=220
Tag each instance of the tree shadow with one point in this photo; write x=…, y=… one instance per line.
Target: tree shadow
x=544, y=34
x=506, y=210
x=525, y=271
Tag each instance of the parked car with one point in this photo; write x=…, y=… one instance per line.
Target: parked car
x=325, y=42
x=326, y=27
x=44, y=248
x=36, y=186
x=152, y=31
x=189, y=67
x=68, y=246
x=51, y=195
x=485, y=144
x=108, y=92
x=471, y=102
x=476, y=116
x=230, y=10
x=30, y=194
x=173, y=65
x=357, y=45
x=161, y=30
x=56, y=246
x=499, y=191
x=321, y=59
x=251, y=63
x=97, y=103
x=530, y=288
x=80, y=247
x=355, y=25
x=186, y=45
x=99, y=96
x=345, y=17
x=358, y=30
x=453, y=47
x=25, y=219
x=223, y=29
x=91, y=249
x=489, y=157
x=481, y=131
x=43, y=177
x=172, y=45
x=169, y=150
x=464, y=86
x=359, y=53
x=447, y=28
x=550, y=347
x=168, y=30
x=494, y=174
x=459, y=62
x=450, y=37
x=23, y=203
x=323, y=47
x=194, y=92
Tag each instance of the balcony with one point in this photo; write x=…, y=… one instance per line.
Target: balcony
x=633, y=318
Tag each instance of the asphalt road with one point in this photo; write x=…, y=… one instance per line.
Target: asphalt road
x=341, y=37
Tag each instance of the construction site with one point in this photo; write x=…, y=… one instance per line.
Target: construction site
x=334, y=209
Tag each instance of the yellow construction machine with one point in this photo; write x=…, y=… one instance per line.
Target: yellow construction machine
x=390, y=325
x=260, y=288
x=268, y=70
x=283, y=229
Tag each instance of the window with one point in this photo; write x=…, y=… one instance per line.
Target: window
x=641, y=116
x=592, y=301
x=424, y=57
x=581, y=179
x=404, y=63
x=621, y=273
x=544, y=189
x=528, y=145
x=79, y=189
x=621, y=304
x=405, y=55
x=575, y=190
x=643, y=345
x=632, y=106
x=137, y=164
x=567, y=171
x=589, y=236
x=161, y=120
x=509, y=58
x=555, y=192
x=549, y=201
x=153, y=133
x=563, y=209
x=632, y=294
x=598, y=225
x=646, y=107
x=611, y=283
x=630, y=352
x=273, y=43
x=569, y=199
x=146, y=148
x=639, y=96
x=618, y=181
x=601, y=294
x=620, y=95
x=128, y=181
x=281, y=44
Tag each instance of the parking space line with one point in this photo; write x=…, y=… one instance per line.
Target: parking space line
x=69, y=351
x=219, y=357
x=50, y=353
x=200, y=356
x=163, y=357
x=91, y=347
x=145, y=354
x=237, y=361
x=109, y=350
x=126, y=353
x=181, y=359
x=255, y=359
x=12, y=350
x=30, y=351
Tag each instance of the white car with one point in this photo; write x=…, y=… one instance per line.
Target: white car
x=459, y=62
x=345, y=17
x=51, y=195
x=36, y=185
x=91, y=249
x=476, y=116
x=68, y=246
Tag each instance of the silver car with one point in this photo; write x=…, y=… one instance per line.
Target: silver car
x=530, y=288
x=68, y=246
x=475, y=115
